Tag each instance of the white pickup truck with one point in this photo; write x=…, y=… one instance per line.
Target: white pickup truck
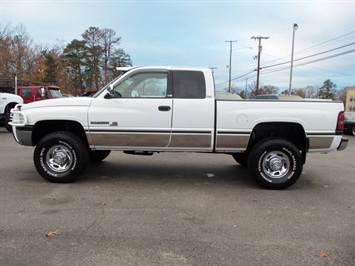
x=7, y=102
x=175, y=109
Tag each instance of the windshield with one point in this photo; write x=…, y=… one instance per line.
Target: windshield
x=55, y=93
x=107, y=85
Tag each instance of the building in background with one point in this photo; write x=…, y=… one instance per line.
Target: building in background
x=350, y=99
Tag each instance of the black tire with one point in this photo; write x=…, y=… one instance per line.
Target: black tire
x=352, y=131
x=275, y=163
x=98, y=156
x=7, y=120
x=60, y=157
x=241, y=158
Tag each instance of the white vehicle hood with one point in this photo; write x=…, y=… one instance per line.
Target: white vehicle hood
x=73, y=101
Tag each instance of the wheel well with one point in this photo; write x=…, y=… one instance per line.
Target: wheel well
x=43, y=128
x=292, y=132
x=9, y=106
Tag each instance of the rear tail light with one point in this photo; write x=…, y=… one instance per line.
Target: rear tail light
x=340, y=123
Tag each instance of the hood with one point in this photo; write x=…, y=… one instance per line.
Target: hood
x=57, y=102
x=11, y=96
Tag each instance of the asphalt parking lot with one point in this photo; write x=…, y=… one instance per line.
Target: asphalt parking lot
x=175, y=209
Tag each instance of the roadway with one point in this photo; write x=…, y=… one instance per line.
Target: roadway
x=175, y=209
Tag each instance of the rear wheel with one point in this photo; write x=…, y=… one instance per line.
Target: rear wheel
x=60, y=157
x=275, y=163
x=353, y=130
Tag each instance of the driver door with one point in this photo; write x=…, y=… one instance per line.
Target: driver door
x=138, y=116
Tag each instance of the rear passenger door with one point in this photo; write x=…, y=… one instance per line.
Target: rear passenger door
x=193, y=112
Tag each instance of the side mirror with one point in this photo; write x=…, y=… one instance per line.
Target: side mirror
x=43, y=92
x=109, y=93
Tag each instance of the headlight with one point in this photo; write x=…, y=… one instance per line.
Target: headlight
x=17, y=118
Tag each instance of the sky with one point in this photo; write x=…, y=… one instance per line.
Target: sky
x=196, y=33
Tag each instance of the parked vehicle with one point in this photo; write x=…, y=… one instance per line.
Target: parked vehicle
x=174, y=109
x=7, y=102
x=349, y=123
x=38, y=93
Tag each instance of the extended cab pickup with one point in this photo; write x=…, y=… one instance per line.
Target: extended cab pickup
x=161, y=109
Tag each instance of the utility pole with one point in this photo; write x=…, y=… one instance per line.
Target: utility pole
x=15, y=77
x=258, y=68
x=230, y=63
x=295, y=27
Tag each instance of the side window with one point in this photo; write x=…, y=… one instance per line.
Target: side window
x=26, y=92
x=189, y=84
x=143, y=85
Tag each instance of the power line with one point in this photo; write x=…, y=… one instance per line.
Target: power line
x=307, y=63
x=284, y=68
x=299, y=59
x=311, y=62
x=302, y=58
x=312, y=47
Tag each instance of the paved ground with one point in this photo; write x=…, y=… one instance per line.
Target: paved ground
x=175, y=209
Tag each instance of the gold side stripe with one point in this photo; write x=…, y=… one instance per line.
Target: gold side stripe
x=230, y=142
x=191, y=141
x=130, y=140
x=320, y=142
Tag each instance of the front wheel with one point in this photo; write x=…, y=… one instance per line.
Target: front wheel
x=275, y=163
x=60, y=157
x=7, y=120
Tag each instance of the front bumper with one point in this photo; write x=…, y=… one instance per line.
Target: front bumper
x=23, y=135
x=343, y=144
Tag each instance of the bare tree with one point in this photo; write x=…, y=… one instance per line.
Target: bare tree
x=108, y=43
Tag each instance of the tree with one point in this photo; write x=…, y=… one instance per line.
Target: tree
x=108, y=41
x=310, y=92
x=74, y=55
x=268, y=89
x=119, y=58
x=327, y=91
x=242, y=94
x=51, y=68
x=18, y=53
x=299, y=92
x=93, y=39
x=87, y=63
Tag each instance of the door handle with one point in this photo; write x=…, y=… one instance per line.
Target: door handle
x=164, y=108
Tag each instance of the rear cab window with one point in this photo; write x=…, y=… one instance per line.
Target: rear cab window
x=189, y=84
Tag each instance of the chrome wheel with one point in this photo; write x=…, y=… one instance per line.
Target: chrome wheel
x=276, y=164
x=59, y=158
